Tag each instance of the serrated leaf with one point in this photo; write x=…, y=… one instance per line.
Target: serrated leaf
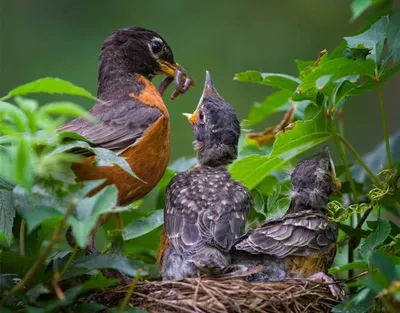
x=260, y=111
x=117, y=262
x=49, y=85
x=338, y=68
x=144, y=225
x=358, y=7
x=7, y=214
x=361, y=265
x=372, y=39
x=375, y=239
x=281, y=81
x=87, y=211
x=66, y=108
x=303, y=136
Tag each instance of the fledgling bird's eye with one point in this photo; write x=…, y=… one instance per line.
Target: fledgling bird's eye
x=201, y=117
x=156, y=46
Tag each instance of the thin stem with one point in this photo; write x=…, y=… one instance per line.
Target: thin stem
x=42, y=257
x=384, y=124
x=22, y=238
x=342, y=154
x=359, y=159
x=69, y=262
x=129, y=292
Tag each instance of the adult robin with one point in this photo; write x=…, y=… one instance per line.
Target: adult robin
x=302, y=243
x=134, y=121
x=205, y=210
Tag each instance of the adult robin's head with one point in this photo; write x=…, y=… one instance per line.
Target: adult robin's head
x=313, y=181
x=216, y=128
x=140, y=51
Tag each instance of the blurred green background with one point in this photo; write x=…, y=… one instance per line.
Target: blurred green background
x=63, y=38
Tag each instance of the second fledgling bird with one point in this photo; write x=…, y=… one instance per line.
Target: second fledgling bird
x=206, y=210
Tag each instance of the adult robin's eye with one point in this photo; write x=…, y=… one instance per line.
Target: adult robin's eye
x=156, y=46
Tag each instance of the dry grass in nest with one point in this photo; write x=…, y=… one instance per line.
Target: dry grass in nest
x=226, y=295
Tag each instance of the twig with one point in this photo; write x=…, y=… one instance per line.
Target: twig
x=22, y=237
x=42, y=256
x=384, y=123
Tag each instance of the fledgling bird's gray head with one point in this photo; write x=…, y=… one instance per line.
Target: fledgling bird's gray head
x=216, y=128
x=314, y=180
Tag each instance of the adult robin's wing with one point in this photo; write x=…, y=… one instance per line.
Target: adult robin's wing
x=120, y=125
x=296, y=234
x=203, y=209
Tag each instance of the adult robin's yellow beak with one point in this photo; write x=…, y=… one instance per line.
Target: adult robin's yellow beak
x=172, y=69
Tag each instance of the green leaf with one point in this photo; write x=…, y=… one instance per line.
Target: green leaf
x=253, y=169
x=24, y=174
x=38, y=214
x=98, y=282
x=301, y=65
x=87, y=211
x=384, y=265
x=281, y=81
x=353, y=232
x=117, y=262
x=338, y=68
x=144, y=225
x=372, y=39
x=322, y=81
x=359, y=303
x=36, y=292
x=89, y=308
x=361, y=265
x=375, y=239
x=303, y=136
x=6, y=185
x=393, y=36
x=358, y=7
x=260, y=111
x=7, y=214
x=16, y=115
x=259, y=203
x=66, y=108
x=104, y=157
x=182, y=164
x=49, y=85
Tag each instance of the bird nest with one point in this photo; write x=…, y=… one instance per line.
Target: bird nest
x=226, y=295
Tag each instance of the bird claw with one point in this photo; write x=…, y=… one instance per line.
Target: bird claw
x=336, y=291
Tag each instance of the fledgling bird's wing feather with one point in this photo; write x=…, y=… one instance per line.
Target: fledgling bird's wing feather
x=205, y=207
x=296, y=234
x=120, y=125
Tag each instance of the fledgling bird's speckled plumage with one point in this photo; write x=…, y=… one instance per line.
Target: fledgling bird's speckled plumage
x=206, y=210
x=302, y=243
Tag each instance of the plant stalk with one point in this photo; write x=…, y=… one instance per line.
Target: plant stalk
x=129, y=292
x=22, y=231
x=384, y=124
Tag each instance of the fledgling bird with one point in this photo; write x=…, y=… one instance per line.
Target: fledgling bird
x=302, y=243
x=205, y=210
x=134, y=121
